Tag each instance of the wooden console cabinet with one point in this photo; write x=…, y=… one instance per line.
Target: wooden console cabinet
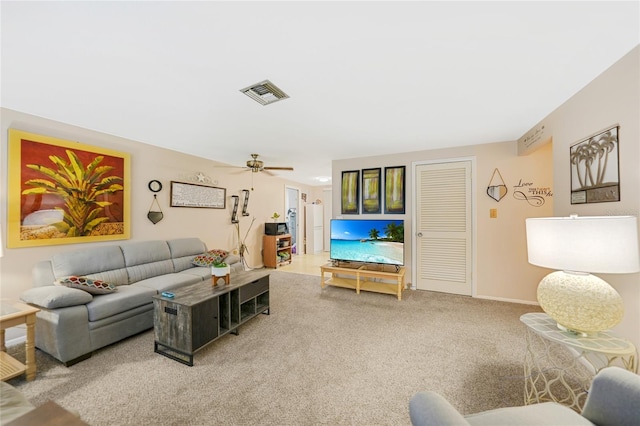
x=273, y=246
x=201, y=313
x=364, y=276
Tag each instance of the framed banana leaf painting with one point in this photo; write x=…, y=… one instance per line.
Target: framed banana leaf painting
x=65, y=192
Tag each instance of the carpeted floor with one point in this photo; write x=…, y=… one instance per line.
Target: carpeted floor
x=322, y=357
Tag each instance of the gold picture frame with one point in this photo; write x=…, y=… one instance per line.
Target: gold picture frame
x=65, y=192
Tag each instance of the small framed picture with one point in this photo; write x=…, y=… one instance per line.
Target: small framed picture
x=350, y=192
x=394, y=187
x=371, y=191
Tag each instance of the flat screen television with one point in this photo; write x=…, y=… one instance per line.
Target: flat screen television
x=378, y=241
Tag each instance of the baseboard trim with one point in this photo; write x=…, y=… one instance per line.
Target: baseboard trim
x=504, y=299
x=16, y=341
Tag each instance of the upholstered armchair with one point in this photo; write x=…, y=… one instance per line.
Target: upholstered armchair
x=613, y=400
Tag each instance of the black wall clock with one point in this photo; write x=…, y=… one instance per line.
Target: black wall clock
x=155, y=186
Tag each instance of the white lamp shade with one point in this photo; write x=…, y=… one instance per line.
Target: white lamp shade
x=598, y=244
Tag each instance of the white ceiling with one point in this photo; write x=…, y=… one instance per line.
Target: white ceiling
x=364, y=78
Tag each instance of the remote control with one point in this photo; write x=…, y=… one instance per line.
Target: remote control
x=168, y=294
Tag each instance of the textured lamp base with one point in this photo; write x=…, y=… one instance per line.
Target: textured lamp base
x=579, y=302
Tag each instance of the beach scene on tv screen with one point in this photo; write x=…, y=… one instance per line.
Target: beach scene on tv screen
x=371, y=241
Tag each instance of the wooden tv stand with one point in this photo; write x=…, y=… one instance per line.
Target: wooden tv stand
x=364, y=276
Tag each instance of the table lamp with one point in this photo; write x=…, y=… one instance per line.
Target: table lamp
x=578, y=301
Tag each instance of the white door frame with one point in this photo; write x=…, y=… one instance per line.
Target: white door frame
x=414, y=215
x=299, y=216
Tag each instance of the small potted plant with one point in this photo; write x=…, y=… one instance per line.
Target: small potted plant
x=219, y=270
x=275, y=216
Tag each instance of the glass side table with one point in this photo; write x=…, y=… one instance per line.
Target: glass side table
x=559, y=365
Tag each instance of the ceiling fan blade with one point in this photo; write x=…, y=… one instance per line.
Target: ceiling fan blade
x=278, y=168
x=229, y=167
x=241, y=170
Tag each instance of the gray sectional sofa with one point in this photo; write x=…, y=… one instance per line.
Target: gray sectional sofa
x=73, y=323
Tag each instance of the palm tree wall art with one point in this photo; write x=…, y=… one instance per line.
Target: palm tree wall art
x=594, y=168
x=65, y=192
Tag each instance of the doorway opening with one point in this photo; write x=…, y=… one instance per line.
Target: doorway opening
x=292, y=216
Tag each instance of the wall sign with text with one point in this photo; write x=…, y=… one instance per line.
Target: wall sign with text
x=532, y=194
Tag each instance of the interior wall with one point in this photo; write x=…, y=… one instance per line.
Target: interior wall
x=612, y=98
x=213, y=226
x=327, y=213
x=502, y=271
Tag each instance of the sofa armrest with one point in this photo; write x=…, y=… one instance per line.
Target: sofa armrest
x=430, y=408
x=53, y=297
x=613, y=398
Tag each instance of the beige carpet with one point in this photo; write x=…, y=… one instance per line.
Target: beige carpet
x=321, y=357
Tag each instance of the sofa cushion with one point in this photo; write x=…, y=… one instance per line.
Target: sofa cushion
x=147, y=259
x=169, y=281
x=55, y=297
x=127, y=297
x=138, y=253
x=203, y=272
x=87, y=284
x=102, y=263
x=116, y=277
x=182, y=263
x=149, y=270
x=536, y=414
x=183, y=250
x=186, y=247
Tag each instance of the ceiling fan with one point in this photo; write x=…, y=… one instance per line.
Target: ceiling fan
x=256, y=165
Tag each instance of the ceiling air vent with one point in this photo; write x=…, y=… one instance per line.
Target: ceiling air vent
x=264, y=93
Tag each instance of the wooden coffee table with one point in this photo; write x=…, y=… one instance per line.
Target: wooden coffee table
x=13, y=314
x=200, y=313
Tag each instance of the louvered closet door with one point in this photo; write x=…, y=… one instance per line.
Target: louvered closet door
x=443, y=240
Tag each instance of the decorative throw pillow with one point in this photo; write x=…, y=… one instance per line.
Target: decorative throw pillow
x=210, y=258
x=87, y=284
x=218, y=252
